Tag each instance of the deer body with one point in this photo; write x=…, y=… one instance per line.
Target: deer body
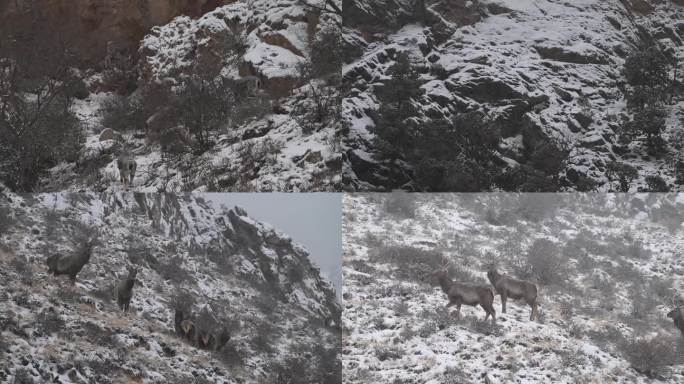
x=188, y=328
x=677, y=315
x=127, y=166
x=468, y=294
x=506, y=287
x=124, y=290
x=70, y=265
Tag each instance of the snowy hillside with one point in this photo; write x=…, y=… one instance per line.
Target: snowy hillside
x=547, y=72
x=608, y=269
x=281, y=137
x=222, y=268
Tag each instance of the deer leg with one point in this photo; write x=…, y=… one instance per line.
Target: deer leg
x=458, y=311
x=535, y=311
x=503, y=302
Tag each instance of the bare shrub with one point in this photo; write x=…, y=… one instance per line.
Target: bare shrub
x=651, y=356
x=545, y=263
x=388, y=353
x=123, y=114
x=171, y=270
x=400, y=204
x=48, y=322
x=6, y=220
x=412, y=263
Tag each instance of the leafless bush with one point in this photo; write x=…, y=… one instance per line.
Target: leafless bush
x=412, y=263
x=38, y=129
x=545, y=263
x=400, y=204
x=652, y=356
x=171, y=270
x=319, y=109
x=388, y=353
x=6, y=220
x=48, y=322
x=123, y=114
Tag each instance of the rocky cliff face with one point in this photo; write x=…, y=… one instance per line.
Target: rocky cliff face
x=88, y=25
x=548, y=72
x=227, y=269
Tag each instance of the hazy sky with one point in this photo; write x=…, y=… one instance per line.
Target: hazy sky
x=313, y=220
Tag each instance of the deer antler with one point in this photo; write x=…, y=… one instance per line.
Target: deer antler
x=445, y=264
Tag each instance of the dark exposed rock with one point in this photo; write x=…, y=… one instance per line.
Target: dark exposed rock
x=563, y=55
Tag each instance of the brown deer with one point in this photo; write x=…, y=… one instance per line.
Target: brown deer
x=205, y=339
x=468, y=294
x=677, y=315
x=506, y=287
x=126, y=165
x=71, y=265
x=221, y=339
x=124, y=290
x=188, y=328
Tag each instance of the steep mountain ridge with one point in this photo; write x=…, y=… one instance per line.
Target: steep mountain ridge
x=546, y=72
x=225, y=268
x=286, y=139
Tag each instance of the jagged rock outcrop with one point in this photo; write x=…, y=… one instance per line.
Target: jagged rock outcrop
x=88, y=25
x=549, y=74
x=222, y=268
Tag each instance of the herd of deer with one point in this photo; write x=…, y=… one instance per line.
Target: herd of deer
x=71, y=265
x=459, y=293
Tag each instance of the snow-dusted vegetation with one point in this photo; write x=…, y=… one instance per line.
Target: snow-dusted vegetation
x=242, y=97
x=202, y=274
x=513, y=95
x=608, y=268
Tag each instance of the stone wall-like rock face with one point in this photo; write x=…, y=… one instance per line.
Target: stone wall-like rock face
x=88, y=25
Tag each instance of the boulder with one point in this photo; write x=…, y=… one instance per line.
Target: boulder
x=109, y=134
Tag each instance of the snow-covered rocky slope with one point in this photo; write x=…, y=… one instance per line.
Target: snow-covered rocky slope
x=274, y=150
x=612, y=265
x=222, y=266
x=547, y=71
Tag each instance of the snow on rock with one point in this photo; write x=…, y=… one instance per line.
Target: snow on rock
x=548, y=70
x=265, y=292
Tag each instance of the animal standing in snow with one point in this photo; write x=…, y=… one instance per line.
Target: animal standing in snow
x=188, y=328
x=71, y=265
x=204, y=339
x=677, y=315
x=127, y=165
x=177, y=321
x=124, y=290
x=506, y=287
x=468, y=294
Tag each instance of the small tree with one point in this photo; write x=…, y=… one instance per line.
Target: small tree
x=203, y=106
x=623, y=173
x=455, y=155
x=647, y=72
x=393, y=129
x=37, y=87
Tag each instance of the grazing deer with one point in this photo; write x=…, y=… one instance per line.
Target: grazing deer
x=204, y=339
x=677, y=315
x=506, y=287
x=177, y=321
x=221, y=339
x=188, y=328
x=127, y=165
x=71, y=265
x=461, y=293
x=124, y=290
